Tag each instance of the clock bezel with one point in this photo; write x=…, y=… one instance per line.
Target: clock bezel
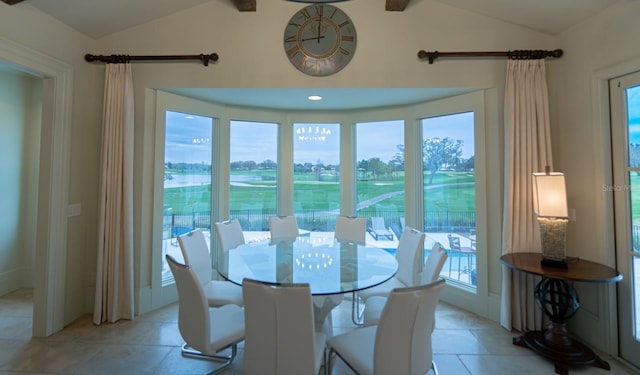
x=340, y=51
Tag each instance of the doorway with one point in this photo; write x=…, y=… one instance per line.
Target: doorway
x=20, y=115
x=625, y=138
x=53, y=183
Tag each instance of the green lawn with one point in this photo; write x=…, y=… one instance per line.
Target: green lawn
x=635, y=198
x=442, y=194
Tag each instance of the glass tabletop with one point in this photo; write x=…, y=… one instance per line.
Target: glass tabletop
x=328, y=266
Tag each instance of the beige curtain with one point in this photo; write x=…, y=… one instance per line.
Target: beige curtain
x=527, y=150
x=114, y=276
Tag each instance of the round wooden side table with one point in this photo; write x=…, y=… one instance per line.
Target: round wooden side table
x=559, y=302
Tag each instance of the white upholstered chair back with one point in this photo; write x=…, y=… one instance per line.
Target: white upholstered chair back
x=206, y=331
x=283, y=227
x=351, y=229
x=229, y=234
x=433, y=266
x=280, y=337
x=403, y=337
x=408, y=255
x=196, y=254
x=430, y=273
x=193, y=309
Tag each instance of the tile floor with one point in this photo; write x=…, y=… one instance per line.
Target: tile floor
x=463, y=344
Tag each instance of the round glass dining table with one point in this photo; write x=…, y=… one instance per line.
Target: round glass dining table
x=331, y=268
x=328, y=266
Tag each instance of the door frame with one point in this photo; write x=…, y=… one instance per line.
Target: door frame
x=628, y=345
x=53, y=185
x=602, y=162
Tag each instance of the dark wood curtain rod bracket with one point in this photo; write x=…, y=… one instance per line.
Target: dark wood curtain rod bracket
x=514, y=55
x=118, y=59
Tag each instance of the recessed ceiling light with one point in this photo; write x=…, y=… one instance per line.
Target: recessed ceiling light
x=315, y=97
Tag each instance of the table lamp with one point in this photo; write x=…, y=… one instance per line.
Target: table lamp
x=550, y=206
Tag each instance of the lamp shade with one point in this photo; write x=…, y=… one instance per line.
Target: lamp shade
x=549, y=195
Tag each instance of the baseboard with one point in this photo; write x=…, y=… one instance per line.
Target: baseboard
x=14, y=279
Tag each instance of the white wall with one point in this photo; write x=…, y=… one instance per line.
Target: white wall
x=25, y=26
x=598, y=49
x=250, y=45
x=19, y=154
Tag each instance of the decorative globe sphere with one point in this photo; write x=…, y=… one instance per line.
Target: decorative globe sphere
x=556, y=299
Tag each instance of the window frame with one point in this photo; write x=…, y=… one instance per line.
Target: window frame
x=488, y=181
x=488, y=188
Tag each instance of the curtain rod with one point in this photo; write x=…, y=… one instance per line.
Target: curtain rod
x=515, y=55
x=115, y=59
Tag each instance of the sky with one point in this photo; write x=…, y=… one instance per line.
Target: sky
x=188, y=139
x=457, y=126
x=633, y=113
x=311, y=151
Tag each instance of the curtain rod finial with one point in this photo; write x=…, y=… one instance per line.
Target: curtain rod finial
x=206, y=58
x=430, y=55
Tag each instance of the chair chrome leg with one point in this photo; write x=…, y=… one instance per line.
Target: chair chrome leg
x=325, y=360
x=332, y=351
x=434, y=367
x=188, y=351
x=356, y=314
x=328, y=363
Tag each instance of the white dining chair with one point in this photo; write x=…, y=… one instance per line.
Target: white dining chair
x=434, y=263
x=401, y=342
x=430, y=273
x=408, y=255
x=206, y=331
x=351, y=229
x=196, y=254
x=283, y=227
x=229, y=234
x=280, y=336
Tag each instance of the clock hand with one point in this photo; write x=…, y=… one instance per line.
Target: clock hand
x=315, y=37
x=319, y=26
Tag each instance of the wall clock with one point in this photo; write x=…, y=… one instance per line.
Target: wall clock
x=320, y=40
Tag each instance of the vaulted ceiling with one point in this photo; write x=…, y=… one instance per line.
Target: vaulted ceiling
x=97, y=18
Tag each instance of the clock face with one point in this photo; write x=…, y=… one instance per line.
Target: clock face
x=320, y=40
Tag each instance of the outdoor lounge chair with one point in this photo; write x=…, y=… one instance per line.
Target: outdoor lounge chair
x=398, y=227
x=457, y=250
x=379, y=229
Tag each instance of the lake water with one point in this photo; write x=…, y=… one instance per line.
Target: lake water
x=183, y=180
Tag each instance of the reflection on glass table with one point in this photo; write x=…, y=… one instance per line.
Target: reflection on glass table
x=329, y=267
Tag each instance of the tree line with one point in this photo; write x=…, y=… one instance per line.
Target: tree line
x=438, y=154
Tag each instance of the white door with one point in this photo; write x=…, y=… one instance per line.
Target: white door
x=625, y=138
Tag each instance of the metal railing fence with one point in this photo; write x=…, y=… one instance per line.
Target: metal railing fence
x=325, y=221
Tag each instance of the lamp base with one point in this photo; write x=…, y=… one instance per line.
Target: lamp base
x=554, y=263
x=553, y=238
